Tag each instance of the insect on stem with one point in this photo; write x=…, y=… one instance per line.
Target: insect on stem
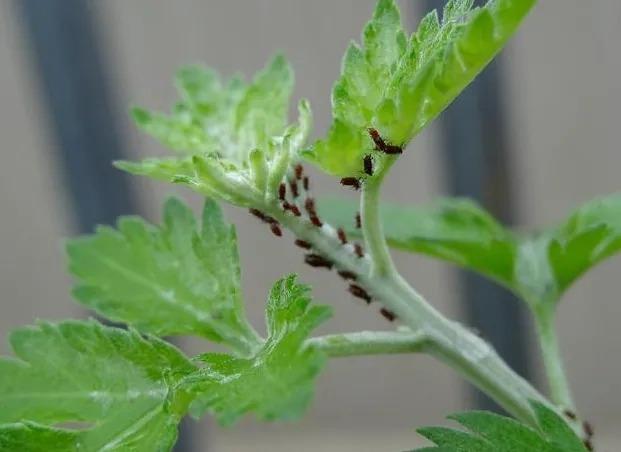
x=351, y=182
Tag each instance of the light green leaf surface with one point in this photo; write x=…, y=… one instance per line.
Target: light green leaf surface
x=277, y=381
x=171, y=279
x=32, y=437
x=232, y=139
x=489, y=432
x=455, y=230
x=118, y=384
x=538, y=267
x=398, y=84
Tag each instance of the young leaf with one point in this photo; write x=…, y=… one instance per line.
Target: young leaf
x=277, y=381
x=122, y=385
x=224, y=133
x=398, y=85
x=456, y=230
x=489, y=432
x=591, y=234
x=166, y=280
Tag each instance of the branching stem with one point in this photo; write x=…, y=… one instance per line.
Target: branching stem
x=369, y=343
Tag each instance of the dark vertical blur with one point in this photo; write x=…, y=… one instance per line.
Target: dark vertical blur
x=477, y=161
x=71, y=64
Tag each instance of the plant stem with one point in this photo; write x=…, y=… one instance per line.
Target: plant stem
x=372, y=230
x=369, y=343
x=448, y=341
x=560, y=392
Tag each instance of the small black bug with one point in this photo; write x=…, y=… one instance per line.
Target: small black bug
x=351, y=182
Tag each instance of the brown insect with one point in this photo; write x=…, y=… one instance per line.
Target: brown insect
x=303, y=244
x=588, y=429
x=294, y=188
x=570, y=415
x=292, y=208
x=261, y=216
x=381, y=145
x=316, y=221
x=388, y=315
x=306, y=183
x=299, y=170
x=295, y=210
x=309, y=205
x=345, y=274
x=359, y=292
x=341, y=235
x=358, y=250
x=315, y=260
x=368, y=165
x=351, y=182
x=275, y=228
x=358, y=220
x=377, y=139
x=282, y=191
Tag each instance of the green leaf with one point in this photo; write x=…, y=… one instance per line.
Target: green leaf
x=591, y=234
x=398, y=85
x=537, y=267
x=489, y=432
x=121, y=385
x=32, y=437
x=225, y=132
x=456, y=230
x=277, y=381
x=166, y=280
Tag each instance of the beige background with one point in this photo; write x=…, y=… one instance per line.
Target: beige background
x=565, y=102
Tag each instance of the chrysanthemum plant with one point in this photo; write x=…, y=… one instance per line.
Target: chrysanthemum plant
x=83, y=386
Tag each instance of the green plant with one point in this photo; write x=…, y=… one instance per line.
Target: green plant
x=128, y=388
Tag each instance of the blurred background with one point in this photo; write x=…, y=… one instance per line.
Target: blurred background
x=535, y=137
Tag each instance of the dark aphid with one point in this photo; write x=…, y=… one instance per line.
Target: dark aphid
x=295, y=210
x=381, y=145
x=309, y=205
x=306, y=183
x=299, y=170
x=315, y=260
x=345, y=274
x=282, y=191
x=276, y=229
x=316, y=221
x=589, y=445
x=388, y=315
x=570, y=415
x=260, y=215
x=358, y=220
x=358, y=250
x=359, y=292
x=392, y=150
x=303, y=244
x=351, y=182
x=294, y=188
x=368, y=165
x=341, y=235
x=377, y=139
x=588, y=429
x=292, y=208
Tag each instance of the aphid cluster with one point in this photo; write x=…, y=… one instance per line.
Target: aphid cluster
x=290, y=204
